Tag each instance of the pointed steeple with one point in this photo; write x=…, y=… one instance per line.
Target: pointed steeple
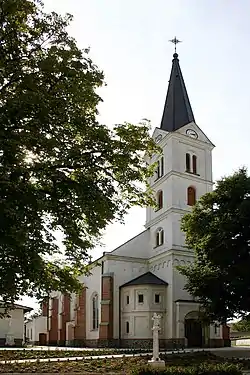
x=177, y=110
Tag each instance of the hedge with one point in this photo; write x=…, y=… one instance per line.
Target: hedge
x=204, y=369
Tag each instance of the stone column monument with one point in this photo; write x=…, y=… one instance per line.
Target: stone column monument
x=9, y=337
x=155, y=361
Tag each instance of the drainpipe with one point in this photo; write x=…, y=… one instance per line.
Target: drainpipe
x=119, y=315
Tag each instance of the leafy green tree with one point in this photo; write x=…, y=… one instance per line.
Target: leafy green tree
x=218, y=229
x=242, y=326
x=59, y=168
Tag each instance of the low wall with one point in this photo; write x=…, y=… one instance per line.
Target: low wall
x=242, y=342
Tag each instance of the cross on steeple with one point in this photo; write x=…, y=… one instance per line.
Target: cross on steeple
x=175, y=41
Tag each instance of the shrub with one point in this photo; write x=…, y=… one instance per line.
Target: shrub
x=204, y=369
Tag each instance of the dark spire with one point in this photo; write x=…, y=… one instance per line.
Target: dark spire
x=177, y=110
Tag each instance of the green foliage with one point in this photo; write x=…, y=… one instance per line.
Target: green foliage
x=203, y=369
x=218, y=231
x=196, y=363
x=243, y=325
x=59, y=168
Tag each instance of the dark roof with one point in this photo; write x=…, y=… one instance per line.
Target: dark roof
x=177, y=110
x=146, y=279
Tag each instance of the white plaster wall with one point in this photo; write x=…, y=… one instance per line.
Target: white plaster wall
x=93, y=284
x=136, y=247
x=202, y=137
x=162, y=267
x=179, y=281
x=37, y=325
x=123, y=271
x=139, y=315
x=180, y=184
x=215, y=333
x=174, y=185
x=178, y=291
x=242, y=342
x=17, y=324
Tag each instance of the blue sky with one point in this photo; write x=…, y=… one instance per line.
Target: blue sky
x=129, y=42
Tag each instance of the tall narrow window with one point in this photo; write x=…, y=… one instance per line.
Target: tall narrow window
x=160, y=168
x=188, y=163
x=127, y=327
x=194, y=162
x=95, y=312
x=159, y=198
x=216, y=326
x=159, y=237
x=191, y=196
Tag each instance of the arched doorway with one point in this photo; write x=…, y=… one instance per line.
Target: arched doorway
x=193, y=330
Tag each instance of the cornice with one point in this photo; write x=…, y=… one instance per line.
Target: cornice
x=185, y=175
x=165, y=214
x=125, y=258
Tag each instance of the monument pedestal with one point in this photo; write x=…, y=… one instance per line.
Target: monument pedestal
x=157, y=364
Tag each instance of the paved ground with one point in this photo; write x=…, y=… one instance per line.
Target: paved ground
x=234, y=351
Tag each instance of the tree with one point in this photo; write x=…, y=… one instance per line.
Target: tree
x=242, y=326
x=59, y=168
x=218, y=231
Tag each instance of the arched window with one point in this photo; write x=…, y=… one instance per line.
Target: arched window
x=159, y=199
x=159, y=237
x=191, y=196
x=194, y=162
x=188, y=163
x=95, y=312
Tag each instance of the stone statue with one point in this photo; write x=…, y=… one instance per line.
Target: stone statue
x=156, y=322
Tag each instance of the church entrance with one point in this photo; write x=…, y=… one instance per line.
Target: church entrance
x=193, y=331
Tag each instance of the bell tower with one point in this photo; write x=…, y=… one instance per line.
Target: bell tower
x=184, y=170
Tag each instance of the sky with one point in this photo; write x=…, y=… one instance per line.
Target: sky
x=129, y=41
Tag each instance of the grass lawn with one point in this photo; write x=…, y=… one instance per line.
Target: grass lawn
x=113, y=366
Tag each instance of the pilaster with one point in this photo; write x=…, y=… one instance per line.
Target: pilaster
x=80, y=326
x=53, y=332
x=65, y=317
x=106, y=325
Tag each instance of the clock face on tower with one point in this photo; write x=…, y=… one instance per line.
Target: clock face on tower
x=192, y=133
x=158, y=138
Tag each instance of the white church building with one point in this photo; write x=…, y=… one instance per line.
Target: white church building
x=139, y=278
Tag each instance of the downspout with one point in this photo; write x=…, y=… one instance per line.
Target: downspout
x=119, y=315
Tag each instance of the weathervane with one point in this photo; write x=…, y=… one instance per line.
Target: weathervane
x=175, y=41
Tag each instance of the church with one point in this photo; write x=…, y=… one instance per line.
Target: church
x=139, y=278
